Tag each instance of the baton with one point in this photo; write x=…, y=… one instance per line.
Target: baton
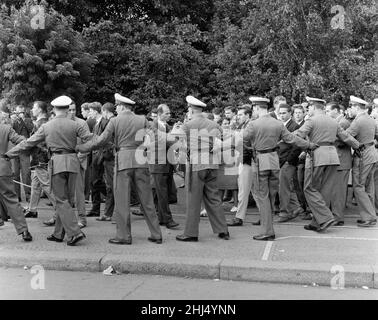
x=22, y=184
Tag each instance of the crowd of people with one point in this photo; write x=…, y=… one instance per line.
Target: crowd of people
x=291, y=160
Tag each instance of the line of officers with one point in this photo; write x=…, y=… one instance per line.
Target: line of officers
x=133, y=138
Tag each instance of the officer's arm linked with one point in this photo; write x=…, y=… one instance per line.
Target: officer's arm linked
x=347, y=135
x=291, y=138
x=92, y=141
x=24, y=145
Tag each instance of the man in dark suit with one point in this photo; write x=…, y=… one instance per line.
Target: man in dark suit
x=98, y=184
x=24, y=127
x=288, y=158
x=276, y=104
x=160, y=166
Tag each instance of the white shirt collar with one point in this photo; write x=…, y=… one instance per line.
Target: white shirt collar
x=286, y=122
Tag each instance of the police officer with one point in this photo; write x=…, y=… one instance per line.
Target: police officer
x=365, y=130
x=321, y=165
x=264, y=134
x=128, y=130
x=61, y=136
x=202, y=174
x=8, y=196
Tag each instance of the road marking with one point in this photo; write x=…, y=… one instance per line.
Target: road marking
x=268, y=247
x=337, y=238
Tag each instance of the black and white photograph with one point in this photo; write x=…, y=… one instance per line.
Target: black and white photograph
x=189, y=156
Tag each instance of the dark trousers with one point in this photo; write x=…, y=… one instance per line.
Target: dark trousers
x=63, y=186
x=172, y=189
x=108, y=177
x=299, y=185
x=88, y=179
x=161, y=182
x=98, y=185
x=22, y=168
x=10, y=203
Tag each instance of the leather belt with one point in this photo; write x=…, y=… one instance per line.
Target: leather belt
x=365, y=145
x=322, y=144
x=267, y=150
x=123, y=148
x=63, y=152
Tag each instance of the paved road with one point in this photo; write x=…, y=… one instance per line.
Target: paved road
x=16, y=284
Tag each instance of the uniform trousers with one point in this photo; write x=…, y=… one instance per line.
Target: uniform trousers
x=63, y=186
x=98, y=185
x=9, y=200
x=363, y=187
x=108, y=178
x=340, y=190
x=22, y=167
x=140, y=179
x=161, y=182
x=203, y=187
x=245, y=182
x=266, y=189
x=318, y=187
x=376, y=190
x=80, y=196
x=40, y=182
x=288, y=197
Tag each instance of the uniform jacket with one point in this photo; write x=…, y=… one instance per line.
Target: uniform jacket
x=365, y=130
x=343, y=150
x=60, y=134
x=106, y=152
x=288, y=152
x=127, y=129
x=7, y=134
x=301, y=161
x=200, y=133
x=83, y=157
x=159, y=161
x=39, y=154
x=264, y=133
x=321, y=128
x=23, y=128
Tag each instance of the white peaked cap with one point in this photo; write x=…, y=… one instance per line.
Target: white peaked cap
x=309, y=99
x=358, y=100
x=195, y=102
x=375, y=101
x=62, y=101
x=255, y=99
x=123, y=99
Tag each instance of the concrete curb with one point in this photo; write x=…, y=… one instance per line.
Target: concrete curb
x=227, y=269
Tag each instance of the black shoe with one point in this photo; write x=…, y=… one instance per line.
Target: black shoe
x=76, y=239
x=257, y=223
x=183, y=237
x=104, y=218
x=81, y=225
x=224, y=235
x=49, y=223
x=119, y=241
x=49, y=204
x=1, y=222
x=327, y=224
x=31, y=214
x=339, y=223
x=283, y=219
x=264, y=237
x=137, y=212
x=158, y=241
x=307, y=217
x=53, y=238
x=365, y=224
x=236, y=222
x=172, y=224
x=311, y=227
x=93, y=214
x=26, y=236
x=363, y=221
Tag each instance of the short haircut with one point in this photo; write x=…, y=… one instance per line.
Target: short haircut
x=233, y=109
x=42, y=105
x=247, y=109
x=108, y=106
x=298, y=106
x=285, y=106
x=160, y=108
x=153, y=110
x=96, y=106
x=334, y=105
x=20, y=107
x=85, y=106
x=279, y=99
x=217, y=111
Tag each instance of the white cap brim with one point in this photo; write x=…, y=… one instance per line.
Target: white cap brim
x=195, y=102
x=62, y=101
x=123, y=99
x=309, y=99
x=354, y=99
x=254, y=99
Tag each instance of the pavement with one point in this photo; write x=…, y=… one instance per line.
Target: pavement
x=345, y=255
